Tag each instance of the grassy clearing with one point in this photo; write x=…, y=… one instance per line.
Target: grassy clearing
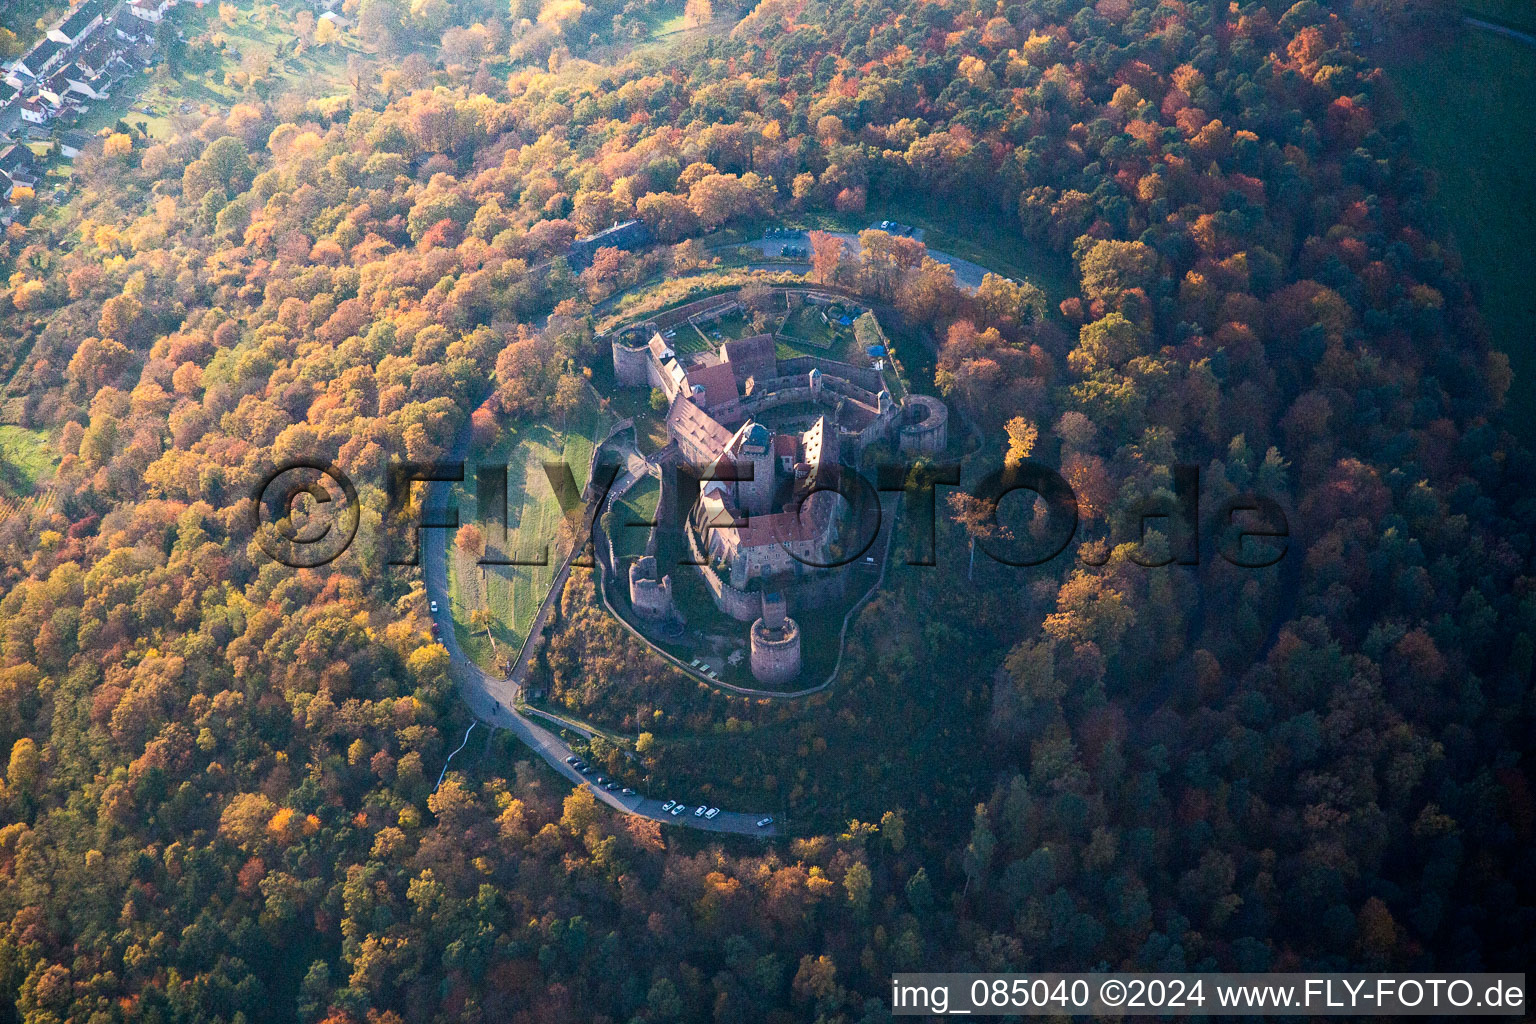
x=808, y=327
x=668, y=25
x=1471, y=104
x=728, y=328
x=638, y=506
x=26, y=459
x=652, y=299
x=195, y=89
x=508, y=596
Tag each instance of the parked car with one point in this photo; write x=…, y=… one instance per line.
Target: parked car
x=669, y=805
x=627, y=791
x=764, y=822
x=712, y=812
x=611, y=786
x=572, y=759
x=698, y=812
x=679, y=809
x=600, y=780
x=585, y=770
x=433, y=606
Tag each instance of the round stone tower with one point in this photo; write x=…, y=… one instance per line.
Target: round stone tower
x=775, y=644
x=924, y=425
x=630, y=355
x=649, y=596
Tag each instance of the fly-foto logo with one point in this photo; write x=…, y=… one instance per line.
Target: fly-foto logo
x=306, y=513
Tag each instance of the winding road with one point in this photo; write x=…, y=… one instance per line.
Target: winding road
x=494, y=700
x=1504, y=30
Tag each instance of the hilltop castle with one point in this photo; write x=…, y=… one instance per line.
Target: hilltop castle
x=771, y=436
x=770, y=514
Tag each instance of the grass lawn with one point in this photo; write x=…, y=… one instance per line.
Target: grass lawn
x=667, y=25
x=728, y=328
x=915, y=358
x=1471, y=105
x=26, y=458
x=638, y=506
x=652, y=299
x=686, y=339
x=806, y=328
x=511, y=594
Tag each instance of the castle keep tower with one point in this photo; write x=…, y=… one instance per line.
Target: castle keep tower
x=753, y=446
x=775, y=643
x=630, y=357
x=650, y=597
x=924, y=425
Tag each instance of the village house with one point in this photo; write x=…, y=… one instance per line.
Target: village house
x=79, y=23
x=19, y=164
x=54, y=88
x=150, y=11
x=92, y=86
x=72, y=144
x=35, y=111
x=36, y=62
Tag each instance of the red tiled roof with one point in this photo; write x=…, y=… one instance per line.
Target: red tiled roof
x=754, y=356
x=696, y=428
x=787, y=527
x=719, y=384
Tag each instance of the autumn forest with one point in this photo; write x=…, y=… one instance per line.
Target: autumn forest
x=1208, y=240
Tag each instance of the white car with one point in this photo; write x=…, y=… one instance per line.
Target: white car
x=679, y=809
x=698, y=812
x=433, y=606
x=669, y=805
x=764, y=822
x=712, y=812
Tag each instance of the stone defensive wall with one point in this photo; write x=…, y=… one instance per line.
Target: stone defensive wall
x=738, y=604
x=817, y=590
x=865, y=377
x=785, y=390
x=670, y=318
x=667, y=319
